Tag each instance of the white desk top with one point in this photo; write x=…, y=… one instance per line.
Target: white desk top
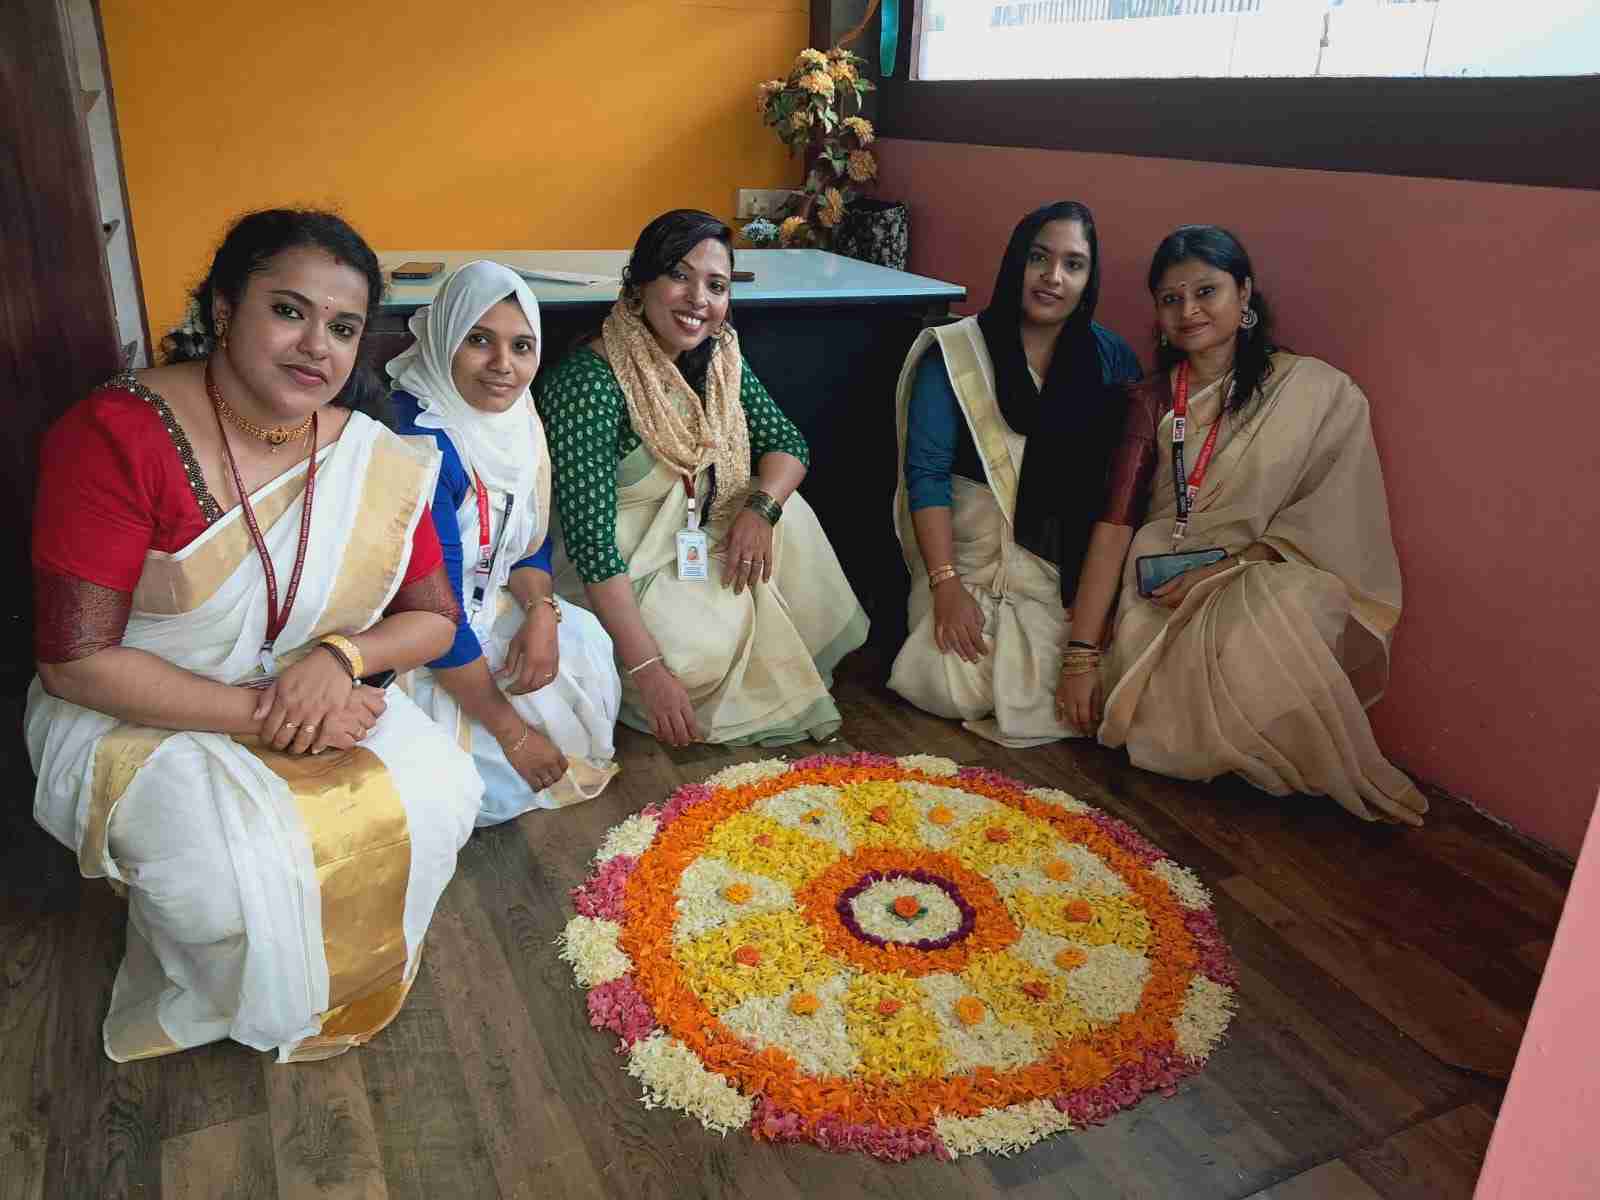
x=783, y=277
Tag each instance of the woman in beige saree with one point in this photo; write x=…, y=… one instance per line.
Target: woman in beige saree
x=673, y=467
x=1007, y=421
x=1262, y=663
x=228, y=563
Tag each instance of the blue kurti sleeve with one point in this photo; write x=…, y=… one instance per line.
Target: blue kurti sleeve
x=931, y=424
x=1118, y=362
x=448, y=494
x=540, y=558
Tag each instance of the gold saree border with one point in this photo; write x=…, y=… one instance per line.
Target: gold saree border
x=118, y=757
x=380, y=536
x=353, y=1024
x=974, y=388
x=170, y=586
x=361, y=849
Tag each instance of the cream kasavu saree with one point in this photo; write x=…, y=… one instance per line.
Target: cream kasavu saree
x=276, y=899
x=757, y=666
x=1008, y=696
x=1267, y=669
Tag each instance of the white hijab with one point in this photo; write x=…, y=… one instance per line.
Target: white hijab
x=506, y=450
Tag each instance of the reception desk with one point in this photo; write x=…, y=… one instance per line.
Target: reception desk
x=826, y=334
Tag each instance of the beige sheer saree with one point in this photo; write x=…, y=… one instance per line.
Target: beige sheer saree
x=1266, y=669
x=1009, y=695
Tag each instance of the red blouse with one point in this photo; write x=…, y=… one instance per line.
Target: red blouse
x=1133, y=462
x=117, y=479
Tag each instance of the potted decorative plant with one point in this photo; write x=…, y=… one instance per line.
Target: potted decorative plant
x=816, y=111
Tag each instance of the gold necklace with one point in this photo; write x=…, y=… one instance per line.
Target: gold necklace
x=276, y=436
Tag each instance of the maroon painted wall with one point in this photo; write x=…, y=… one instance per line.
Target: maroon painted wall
x=1470, y=315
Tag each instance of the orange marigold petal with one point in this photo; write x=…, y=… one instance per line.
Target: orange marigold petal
x=940, y=815
x=1037, y=988
x=747, y=956
x=1079, y=910
x=737, y=893
x=969, y=1010
x=907, y=906
x=1070, y=959
x=804, y=1004
x=997, y=833
x=880, y=815
x=1058, y=869
x=888, y=1008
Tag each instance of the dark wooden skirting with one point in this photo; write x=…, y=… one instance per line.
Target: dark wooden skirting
x=1385, y=975
x=1539, y=131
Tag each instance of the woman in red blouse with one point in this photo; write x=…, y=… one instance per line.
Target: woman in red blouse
x=230, y=563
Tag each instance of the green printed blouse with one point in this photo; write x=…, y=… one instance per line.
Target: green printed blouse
x=586, y=420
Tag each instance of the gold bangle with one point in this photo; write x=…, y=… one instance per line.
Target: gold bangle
x=538, y=600
x=522, y=741
x=939, y=574
x=347, y=648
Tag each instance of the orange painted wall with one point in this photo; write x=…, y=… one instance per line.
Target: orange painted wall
x=1458, y=307
x=536, y=124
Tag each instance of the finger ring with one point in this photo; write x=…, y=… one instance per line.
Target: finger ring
x=291, y=725
x=745, y=562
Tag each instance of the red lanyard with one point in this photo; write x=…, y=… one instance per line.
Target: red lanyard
x=694, y=513
x=486, y=555
x=276, y=619
x=1186, y=492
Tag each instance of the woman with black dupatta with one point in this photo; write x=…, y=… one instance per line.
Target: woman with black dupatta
x=1007, y=424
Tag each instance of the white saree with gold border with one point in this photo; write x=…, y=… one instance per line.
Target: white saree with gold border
x=1008, y=696
x=276, y=899
x=1266, y=669
x=577, y=710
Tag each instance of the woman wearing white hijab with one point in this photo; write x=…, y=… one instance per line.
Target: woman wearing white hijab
x=529, y=687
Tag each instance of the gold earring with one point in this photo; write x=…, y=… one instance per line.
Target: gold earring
x=222, y=334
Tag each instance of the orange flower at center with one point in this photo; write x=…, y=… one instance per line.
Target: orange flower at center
x=888, y=1008
x=997, y=833
x=969, y=1010
x=1070, y=959
x=880, y=815
x=1079, y=910
x=747, y=956
x=907, y=906
x=737, y=893
x=940, y=815
x=804, y=1004
x=1037, y=989
x=1058, y=869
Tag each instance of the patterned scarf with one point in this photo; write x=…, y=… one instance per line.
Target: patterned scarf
x=680, y=429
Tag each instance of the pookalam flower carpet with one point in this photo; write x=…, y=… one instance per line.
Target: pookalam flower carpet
x=897, y=956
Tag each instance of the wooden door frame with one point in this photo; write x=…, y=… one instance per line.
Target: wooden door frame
x=58, y=332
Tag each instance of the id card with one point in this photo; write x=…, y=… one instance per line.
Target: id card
x=693, y=555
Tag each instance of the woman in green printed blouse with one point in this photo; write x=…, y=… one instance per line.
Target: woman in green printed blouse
x=656, y=426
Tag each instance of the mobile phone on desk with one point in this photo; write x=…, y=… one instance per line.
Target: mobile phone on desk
x=1153, y=570
x=416, y=272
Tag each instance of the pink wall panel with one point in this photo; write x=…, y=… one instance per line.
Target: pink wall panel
x=1469, y=314
x=1544, y=1144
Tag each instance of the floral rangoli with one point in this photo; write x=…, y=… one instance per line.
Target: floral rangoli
x=898, y=956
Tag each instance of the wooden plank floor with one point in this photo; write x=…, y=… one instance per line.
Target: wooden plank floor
x=1385, y=978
